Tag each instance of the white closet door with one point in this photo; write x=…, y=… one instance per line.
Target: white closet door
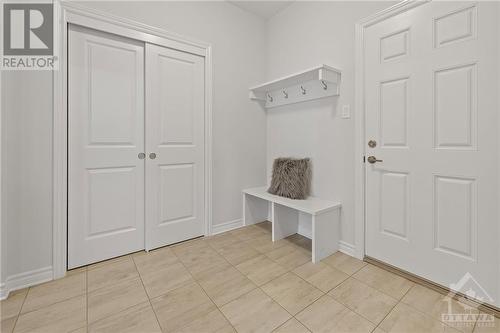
x=175, y=133
x=106, y=134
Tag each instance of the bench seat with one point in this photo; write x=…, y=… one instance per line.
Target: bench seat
x=285, y=213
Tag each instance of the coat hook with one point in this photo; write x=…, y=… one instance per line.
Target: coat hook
x=285, y=93
x=270, y=97
x=303, y=90
x=324, y=84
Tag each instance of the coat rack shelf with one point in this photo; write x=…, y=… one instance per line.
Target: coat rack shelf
x=318, y=82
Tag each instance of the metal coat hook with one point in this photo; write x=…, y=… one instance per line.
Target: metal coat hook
x=270, y=97
x=324, y=85
x=285, y=94
x=303, y=90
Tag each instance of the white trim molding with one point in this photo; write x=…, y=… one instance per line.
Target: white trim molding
x=71, y=13
x=226, y=226
x=25, y=279
x=359, y=182
x=347, y=248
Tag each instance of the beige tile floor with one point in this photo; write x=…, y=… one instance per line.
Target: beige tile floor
x=237, y=281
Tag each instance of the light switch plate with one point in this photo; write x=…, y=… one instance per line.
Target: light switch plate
x=346, y=111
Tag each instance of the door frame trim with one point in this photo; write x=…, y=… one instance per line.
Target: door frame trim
x=359, y=119
x=71, y=13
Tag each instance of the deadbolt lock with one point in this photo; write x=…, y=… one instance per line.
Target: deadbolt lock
x=372, y=143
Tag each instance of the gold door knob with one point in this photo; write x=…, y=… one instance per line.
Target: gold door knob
x=373, y=159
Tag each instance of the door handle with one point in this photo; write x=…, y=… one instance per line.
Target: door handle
x=152, y=156
x=141, y=156
x=373, y=159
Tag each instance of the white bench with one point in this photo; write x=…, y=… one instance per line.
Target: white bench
x=324, y=217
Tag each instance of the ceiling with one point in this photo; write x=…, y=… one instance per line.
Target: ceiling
x=264, y=9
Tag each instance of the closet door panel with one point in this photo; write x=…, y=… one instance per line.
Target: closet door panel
x=106, y=134
x=175, y=134
x=177, y=100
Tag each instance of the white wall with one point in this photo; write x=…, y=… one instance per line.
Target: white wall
x=26, y=172
x=304, y=35
x=238, y=40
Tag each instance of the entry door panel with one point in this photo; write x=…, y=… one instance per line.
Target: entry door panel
x=430, y=86
x=106, y=134
x=175, y=133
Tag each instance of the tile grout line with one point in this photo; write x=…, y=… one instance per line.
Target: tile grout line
x=233, y=266
x=400, y=301
x=146, y=292
x=51, y=304
x=264, y=254
x=287, y=271
x=475, y=323
x=291, y=315
x=20, y=309
x=291, y=271
x=204, y=291
x=348, y=276
x=306, y=308
x=392, y=309
x=257, y=286
x=208, y=244
x=129, y=307
x=383, y=292
x=346, y=305
x=428, y=315
x=87, y=299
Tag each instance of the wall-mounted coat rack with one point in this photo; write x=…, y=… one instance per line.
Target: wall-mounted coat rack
x=318, y=82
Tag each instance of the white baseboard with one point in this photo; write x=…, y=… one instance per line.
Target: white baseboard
x=26, y=279
x=347, y=248
x=226, y=226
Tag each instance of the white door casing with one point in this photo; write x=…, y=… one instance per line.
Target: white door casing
x=106, y=134
x=430, y=103
x=175, y=181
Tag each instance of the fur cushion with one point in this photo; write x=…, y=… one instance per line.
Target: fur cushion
x=291, y=178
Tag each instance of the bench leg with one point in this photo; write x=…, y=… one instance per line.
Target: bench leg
x=325, y=234
x=255, y=210
x=285, y=221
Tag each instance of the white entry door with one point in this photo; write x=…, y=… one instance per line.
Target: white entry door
x=174, y=146
x=430, y=103
x=106, y=134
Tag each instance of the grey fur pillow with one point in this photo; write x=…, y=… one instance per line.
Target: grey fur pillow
x=291, y=178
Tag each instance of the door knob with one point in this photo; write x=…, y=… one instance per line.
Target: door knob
x=373, y=159
x=152, y=156
x=141, y=156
